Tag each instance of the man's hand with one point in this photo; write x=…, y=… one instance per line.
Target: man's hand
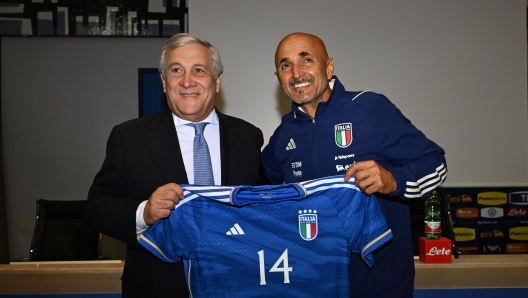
x=161, y=202
x=371, y=177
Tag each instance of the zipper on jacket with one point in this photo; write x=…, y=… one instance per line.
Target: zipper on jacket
x=314, y=140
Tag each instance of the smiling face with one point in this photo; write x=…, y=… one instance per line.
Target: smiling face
x=190, y=84
x=304, y=69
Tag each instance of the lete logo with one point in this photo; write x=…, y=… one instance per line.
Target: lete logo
x=434, y=251
x=517, y=212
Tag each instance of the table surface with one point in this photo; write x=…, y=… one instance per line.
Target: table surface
x=468, y=271
x=474, y=271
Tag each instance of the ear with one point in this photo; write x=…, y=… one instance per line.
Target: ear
x=329, y=68
x=218, y=83
x=164, y=83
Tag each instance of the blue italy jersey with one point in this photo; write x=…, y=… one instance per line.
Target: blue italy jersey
x=289, y=240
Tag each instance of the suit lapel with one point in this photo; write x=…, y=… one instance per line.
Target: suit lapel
x=231, y=148
x=163, y=141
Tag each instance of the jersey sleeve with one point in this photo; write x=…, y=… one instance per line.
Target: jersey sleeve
x=375, y=231
x=176, y=237
x=417, y=163
x=364, y=223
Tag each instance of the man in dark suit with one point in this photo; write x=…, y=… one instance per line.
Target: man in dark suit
x=147, y=159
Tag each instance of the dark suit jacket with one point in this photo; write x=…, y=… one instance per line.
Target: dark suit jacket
x=142, y=155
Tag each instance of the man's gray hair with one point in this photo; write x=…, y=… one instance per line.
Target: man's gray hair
x=181, y=39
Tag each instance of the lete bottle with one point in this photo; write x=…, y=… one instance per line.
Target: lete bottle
x=432, y=223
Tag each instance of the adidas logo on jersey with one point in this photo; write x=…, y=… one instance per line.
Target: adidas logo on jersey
x=291, y=145
x=235, y=230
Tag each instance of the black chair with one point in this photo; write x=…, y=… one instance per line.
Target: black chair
x=447, y=221
x=60, y=233
x=416, y=207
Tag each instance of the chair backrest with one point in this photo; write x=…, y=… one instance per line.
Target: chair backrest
x=60, y=233
x=448, y=231
x=417, y=211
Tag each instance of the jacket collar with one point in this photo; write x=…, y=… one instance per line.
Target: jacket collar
x=163, y=141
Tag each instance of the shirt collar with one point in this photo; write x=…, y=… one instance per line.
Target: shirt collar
x=211, y=119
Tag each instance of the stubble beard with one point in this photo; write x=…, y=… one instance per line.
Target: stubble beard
x=304, y=100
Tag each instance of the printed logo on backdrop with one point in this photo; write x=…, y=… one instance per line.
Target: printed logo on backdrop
x=468, y=248
x=519, y=198
x=491, y=249
x=517, y=212
x=308, y=225
x=460, y=199
x=492, y=212
x=519, y=233
x=343, y=134
x=492, y=198
x=464, y=234
x=495, y=233
x=487, y=222
x=516, y=248
x=467, y=213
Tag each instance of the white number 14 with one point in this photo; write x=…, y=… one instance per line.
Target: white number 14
x=283, y=259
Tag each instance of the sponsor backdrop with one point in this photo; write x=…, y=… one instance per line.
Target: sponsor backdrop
x=489, y=220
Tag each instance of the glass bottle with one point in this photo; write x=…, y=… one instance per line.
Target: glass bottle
x=432, y=222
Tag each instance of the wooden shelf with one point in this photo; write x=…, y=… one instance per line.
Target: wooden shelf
x=476, y=271
x=61, y=277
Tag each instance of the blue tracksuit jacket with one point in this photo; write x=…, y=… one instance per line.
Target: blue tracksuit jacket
x=359, y=126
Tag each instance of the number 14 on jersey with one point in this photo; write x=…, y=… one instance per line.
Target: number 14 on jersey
x=283, y=260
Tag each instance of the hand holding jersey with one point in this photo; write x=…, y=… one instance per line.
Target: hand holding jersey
x=371, y=177
x=161, y=202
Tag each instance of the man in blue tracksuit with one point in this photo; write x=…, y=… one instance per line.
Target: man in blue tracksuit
x=332, y=131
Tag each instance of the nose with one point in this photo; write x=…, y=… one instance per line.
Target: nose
x=297, y=71
x=187, y=80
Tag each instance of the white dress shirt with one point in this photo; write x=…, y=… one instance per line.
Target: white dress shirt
x=186, y=139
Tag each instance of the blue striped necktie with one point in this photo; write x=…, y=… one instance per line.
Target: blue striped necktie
x=203, y=170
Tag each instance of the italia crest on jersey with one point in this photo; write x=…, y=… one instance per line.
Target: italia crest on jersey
x=308, y=226
x=343, y=134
